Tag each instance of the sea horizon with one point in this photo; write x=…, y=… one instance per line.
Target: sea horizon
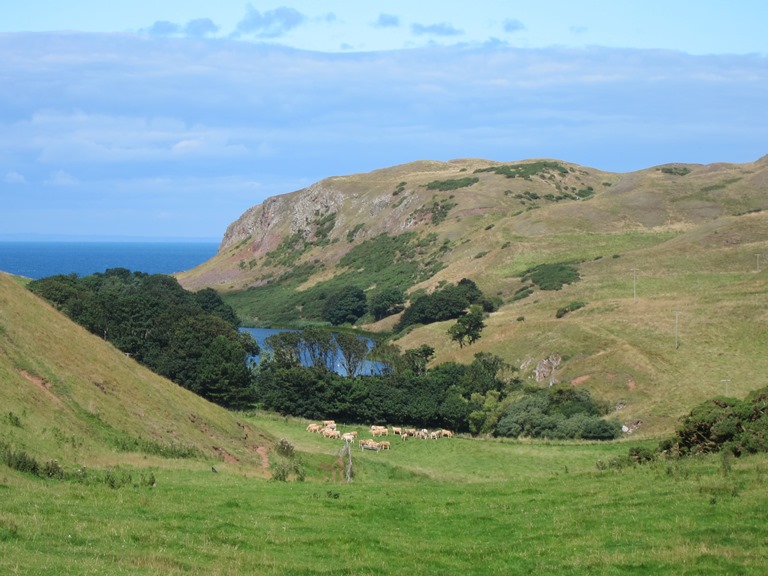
x=105, y=238
x=39, y=258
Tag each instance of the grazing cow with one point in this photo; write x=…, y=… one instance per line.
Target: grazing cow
x=385, y=445
x=396, y=430
x=329, y=424
x=379, y=430
x=330, y=433
x=371, y=446
x=313, y=427
x=348, y=436
x=404, y=436
x=446, y=433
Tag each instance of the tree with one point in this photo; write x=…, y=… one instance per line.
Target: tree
x=345, y=306
x=190, y=338
x=468, y=327
x=353, y=350
x=385, y=303
x=210, y=301
x=286, y=348
x=318, y=347
x=416, y=359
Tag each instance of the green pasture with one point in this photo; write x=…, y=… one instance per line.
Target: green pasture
x=449, y=506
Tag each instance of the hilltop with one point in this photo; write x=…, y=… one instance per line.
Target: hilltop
x=68, y=395
x=672, y=264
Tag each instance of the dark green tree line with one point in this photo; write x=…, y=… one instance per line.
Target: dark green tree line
x=190, y=338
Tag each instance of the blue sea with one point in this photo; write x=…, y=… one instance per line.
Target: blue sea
x=41, y=259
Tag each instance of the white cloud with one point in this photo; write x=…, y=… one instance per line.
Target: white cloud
x=62, y=178
x=116, y=109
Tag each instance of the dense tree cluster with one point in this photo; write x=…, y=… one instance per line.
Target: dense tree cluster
x=403, y=391
x=484, y=397
x=345, y=306
x=447, y=303
x=191, y=338
x=558, y=413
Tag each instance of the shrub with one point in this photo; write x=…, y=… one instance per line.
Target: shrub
x=551, y=276
x=14, y=420
x=569, y=308
x=676, y=170
x=19, y=460
x=285, y=448
x=738, y=426
x=454, y=184
x=527, y=169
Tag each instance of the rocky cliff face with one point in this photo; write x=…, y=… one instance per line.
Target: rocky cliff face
x=265, y=224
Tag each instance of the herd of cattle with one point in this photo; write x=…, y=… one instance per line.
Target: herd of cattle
x=328, y=429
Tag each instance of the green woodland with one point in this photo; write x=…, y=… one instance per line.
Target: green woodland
x=192, y=338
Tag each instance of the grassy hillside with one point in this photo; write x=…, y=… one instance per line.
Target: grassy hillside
x=68, y=395
x=673, y=263
x=425, y=507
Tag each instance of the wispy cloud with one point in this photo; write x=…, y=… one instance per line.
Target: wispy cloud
x=14, y=177
x=387, y=21
x=270, y=23
x=442, y=29
x=61, y=178
x=197, y=28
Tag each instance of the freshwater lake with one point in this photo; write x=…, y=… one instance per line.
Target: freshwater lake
x=368, y=368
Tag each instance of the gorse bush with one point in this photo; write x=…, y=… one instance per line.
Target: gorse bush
x=569, y=308
x=454, y=184
x=724, y=424
x=551, y=276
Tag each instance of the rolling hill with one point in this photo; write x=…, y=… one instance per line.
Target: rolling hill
x=67, y=394
x=672, y=263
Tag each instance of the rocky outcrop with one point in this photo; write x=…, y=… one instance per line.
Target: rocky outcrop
x=266, y=224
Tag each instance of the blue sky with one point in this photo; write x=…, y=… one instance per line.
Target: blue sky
x=171, y=118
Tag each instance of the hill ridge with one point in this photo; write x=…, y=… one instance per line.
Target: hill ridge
x=691, y=233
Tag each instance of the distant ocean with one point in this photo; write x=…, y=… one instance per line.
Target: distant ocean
x=41, y=259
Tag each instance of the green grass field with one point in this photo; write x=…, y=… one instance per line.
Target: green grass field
x=451, y=506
